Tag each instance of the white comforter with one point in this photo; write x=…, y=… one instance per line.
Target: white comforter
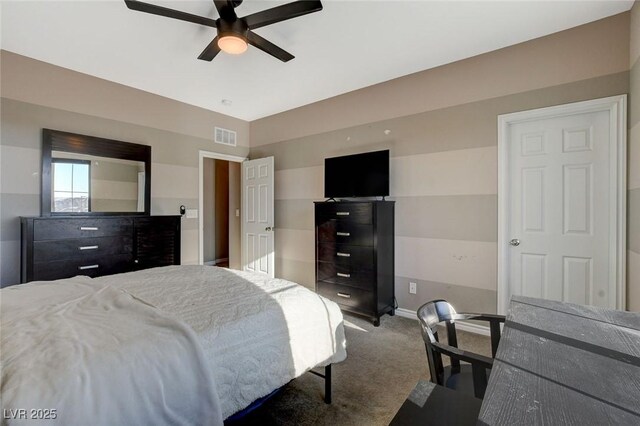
x=257, y=333
x=78, y=352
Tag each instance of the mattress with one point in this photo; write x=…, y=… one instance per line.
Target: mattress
x=257, y=333
x=74, y=352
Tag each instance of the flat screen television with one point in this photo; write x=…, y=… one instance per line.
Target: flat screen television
x=359, y=175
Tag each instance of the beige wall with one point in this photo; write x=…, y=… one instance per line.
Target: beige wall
x=443, y=140
x=633, y=259
x=37, y=95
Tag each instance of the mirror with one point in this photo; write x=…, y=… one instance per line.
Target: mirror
x=87, y=175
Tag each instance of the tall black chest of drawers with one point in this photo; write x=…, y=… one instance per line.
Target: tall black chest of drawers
x=355, y=255
x=61, y=247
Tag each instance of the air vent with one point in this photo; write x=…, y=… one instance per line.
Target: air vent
x=225, y=136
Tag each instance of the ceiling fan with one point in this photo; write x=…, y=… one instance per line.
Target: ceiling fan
x=234, y=33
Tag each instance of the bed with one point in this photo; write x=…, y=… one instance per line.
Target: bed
x=170, y=345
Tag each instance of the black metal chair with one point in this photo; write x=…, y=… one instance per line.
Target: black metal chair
x=469, y=378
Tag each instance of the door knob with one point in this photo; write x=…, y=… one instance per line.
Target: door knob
x=268, y=228
x=515, y=242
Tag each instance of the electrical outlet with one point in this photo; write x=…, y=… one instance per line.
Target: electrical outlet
x=412, y=288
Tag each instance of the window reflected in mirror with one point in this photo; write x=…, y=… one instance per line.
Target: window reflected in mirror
x=71, y=189
x=88, y=183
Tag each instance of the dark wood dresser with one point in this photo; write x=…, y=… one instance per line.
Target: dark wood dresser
x=60, y=247
x=355, y=255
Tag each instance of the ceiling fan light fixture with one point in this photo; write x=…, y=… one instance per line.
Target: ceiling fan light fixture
x=232, y=44
x=234, y=33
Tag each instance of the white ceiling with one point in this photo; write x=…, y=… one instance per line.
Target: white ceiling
x=346, y=46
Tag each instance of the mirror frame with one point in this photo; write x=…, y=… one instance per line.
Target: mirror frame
x=55, y=140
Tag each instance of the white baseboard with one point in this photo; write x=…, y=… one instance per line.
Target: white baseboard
x=460, y=325
x=406, y=313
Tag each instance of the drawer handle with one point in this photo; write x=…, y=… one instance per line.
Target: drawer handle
x=88, y=228
x=82, y=268
x=343, y=254
x=345, y=295
x=340, y=274
x=88, y=248
x=342, y=213
x=343, y=234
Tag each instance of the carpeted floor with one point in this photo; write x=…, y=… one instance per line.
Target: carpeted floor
x=383, y=365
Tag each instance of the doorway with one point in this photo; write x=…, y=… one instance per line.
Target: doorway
x=219, y=210
x=562, y=203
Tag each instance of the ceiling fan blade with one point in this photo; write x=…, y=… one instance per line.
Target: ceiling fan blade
x=210, y=51
x=282, y=13
x=225, y=10
x=268, y=47
x=169, y=13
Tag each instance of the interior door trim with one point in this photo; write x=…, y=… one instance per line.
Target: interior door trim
x=616, y=106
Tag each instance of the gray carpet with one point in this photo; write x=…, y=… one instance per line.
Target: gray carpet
x=383, y=365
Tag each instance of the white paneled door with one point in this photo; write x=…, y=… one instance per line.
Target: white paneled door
x=561, y=224
x=258, y=254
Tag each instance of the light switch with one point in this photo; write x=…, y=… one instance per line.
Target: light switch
x=192, y=213
x=237, y=212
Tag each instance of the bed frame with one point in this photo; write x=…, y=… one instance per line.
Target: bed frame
x=231, y=420
x=327, y=382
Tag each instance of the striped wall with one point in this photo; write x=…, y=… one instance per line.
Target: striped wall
x=102, y=109
x=443, y=155
x=633, y=259
x=442, y=138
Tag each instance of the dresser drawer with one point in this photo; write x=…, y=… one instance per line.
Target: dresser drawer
x=333, y=231
x=81, y=248
x=354, y=298
x=344, y=275
x=349, y=212
x=56, y=229
x=355, y=257
x=91, y=266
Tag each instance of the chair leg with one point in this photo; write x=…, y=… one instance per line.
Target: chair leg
x=495, y=337
x=479, y=380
